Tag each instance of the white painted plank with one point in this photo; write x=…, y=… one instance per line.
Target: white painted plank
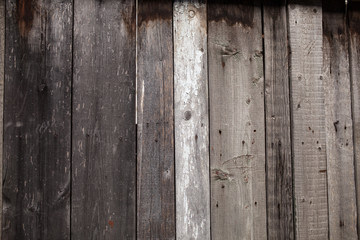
x=191, y=121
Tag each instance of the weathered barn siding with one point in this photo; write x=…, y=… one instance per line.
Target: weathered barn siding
x=184, y=119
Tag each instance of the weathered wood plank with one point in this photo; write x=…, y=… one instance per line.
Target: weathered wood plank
x=37, y=113
x=104, y=131
x=354, y=57
x=308, y=118
x=278, y=139
x=2, y=57
x=191, y=120
x=237, y=124
x=339, y=132
x=156, y=158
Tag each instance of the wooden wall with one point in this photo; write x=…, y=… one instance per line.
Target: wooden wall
x=184, y=119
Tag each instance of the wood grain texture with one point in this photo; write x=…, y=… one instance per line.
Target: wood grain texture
x=278, y=139
x=308, y=119
x=237, y=124
x=354, y=60
x=2, y=57
x=339, y=130
x=104, y=131
x=37, y=113
x=156, y=158
x=191, y=120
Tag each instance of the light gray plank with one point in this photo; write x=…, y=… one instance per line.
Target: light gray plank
x=308, y=119
x=354, y=56
x=237, y=124
x=278, y=139
x=339, y=130
x=191, y=120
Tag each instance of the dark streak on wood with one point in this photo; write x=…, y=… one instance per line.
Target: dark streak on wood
x=25, y=11
x=229, y=14
x=156, y=181
x=148, y=13
x=37, y=121
x=278, y=140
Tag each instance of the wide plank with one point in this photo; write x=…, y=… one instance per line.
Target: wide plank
x=278, y=138
x=155, y=121
x=104, y=131
x=308, y=119
x=37, y=120
x=237, y=124
x=191, y=120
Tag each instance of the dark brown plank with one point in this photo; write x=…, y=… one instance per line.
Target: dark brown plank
x=37, y=115
x=354, y=57
x=155, y=186
x=104, y=135
x=277, y=105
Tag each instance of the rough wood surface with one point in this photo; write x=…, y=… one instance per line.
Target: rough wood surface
x=278, y=139
x=156, y=159
x=191, y=120
x=37, y=113
x=237, y=124
x=308, y=119
x=354, y=51
x=339, y=130
x=2, y=56
x=104, y=134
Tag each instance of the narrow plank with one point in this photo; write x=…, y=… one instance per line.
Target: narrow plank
x=104, y=131
x=37, y=113
x=237, y=124
x=278, y=139
x=2, y=57
x=308, y=118
x=156, y=158
x=354, y=59
x=339, y=132
x=191, y=120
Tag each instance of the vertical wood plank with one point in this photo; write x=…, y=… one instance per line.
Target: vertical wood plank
x=156, y=158
x=339, y=130
x=104, y=134
x=278, y=139
x=308, y=119
x=237, y=125
x=191, y=120
x=354, y=57
x=37, y=113
x=2, y=57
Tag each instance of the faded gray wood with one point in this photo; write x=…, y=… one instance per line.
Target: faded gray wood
x=354, y=57
x=339, y=130
x=308, y=119
x=237, y=124
x=104, y=134
x=156, y=158
x=37, y=113
x=191, y=120
x=2, y=57
x=278, y=139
